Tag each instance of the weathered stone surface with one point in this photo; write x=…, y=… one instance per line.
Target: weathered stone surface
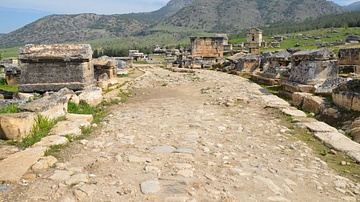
x=72, y=125
x=313, y=67
x=52, y=107
x=92, y=96
x=349, y=56
x=274, y=101
x=309, y=102
x=347, y=95
x=289, y=86
x=329, y=85
x=16, y=126
x=61, y=175
x=44, y=163
x=150, y=187
x=52, y=67
x=14, y=166
x=294, y=112
x=317, y=126
x=340, y=142
x=23, y=96
x=51, y=140
x=105, y=65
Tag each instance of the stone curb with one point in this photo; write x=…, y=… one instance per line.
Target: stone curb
x=327, y=134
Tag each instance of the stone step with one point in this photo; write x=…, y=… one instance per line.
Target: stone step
x=16, y=165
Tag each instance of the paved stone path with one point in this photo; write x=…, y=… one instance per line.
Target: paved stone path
x=187, y=137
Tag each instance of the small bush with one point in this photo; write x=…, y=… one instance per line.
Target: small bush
x=41, y=129
x=13, y=108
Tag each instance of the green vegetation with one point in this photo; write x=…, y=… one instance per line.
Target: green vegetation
x=13, y=108
x=334, y=159
x=4, y=86
x=8, y=53
x=41, y=129
x=54, y=150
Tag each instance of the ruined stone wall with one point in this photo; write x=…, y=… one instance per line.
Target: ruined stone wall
x=349, y=56
x=53, y=67
x=207, y=46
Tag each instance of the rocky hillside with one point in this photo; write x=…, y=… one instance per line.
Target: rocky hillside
x=353, y=6
x=83, y=27
x=229, y=15
x=195, y=15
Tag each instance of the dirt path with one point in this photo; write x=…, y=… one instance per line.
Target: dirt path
x=189, y=137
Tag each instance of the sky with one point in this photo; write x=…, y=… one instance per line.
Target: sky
x=15, y=14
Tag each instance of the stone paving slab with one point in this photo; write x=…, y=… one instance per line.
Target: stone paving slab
x=16, y=165
x=318, y=126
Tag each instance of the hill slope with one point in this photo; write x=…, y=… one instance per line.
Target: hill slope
x=177, y=16
x=229, y=15
x=354, y=6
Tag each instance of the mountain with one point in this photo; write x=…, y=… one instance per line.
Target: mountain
x=229, y=15
x=179, y=18
x=354, y=6
x=88, y=26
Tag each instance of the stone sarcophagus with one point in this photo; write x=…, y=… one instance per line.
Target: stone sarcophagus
x=313, y=67
x=53, y=67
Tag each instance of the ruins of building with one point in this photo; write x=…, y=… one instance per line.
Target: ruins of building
x=124, y=62
x=136, y=55
x=310, y=68
x=246, y=63
x=349, y=60
x=12, y=74
x=278, y=65
x=53, y=67
x=347, y=95
x=207, y=46
x=254, y=40
x=105, y=65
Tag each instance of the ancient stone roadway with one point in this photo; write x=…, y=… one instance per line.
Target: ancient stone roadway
x=187, y=137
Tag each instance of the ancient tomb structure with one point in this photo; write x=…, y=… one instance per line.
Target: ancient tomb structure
x=105, y=65
x=349, y=60
x=207, y=46
x=244, y=63
x=277, y=65
x=254, y=40
x=347, y=95
x=53, y=67
x=310, y=68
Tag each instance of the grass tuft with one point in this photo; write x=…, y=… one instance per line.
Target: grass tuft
x=13, y=108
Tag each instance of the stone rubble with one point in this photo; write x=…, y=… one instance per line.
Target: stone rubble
x=181, y=142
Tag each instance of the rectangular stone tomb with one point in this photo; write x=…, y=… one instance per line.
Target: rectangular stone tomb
x=53, y=67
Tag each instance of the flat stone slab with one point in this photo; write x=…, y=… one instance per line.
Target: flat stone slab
x=275, y=102
x=294, y=112
x=164, y=149
x=51, y=140
x=319, y=127
x=338, y=141
x=150, y=187
x=16, y=165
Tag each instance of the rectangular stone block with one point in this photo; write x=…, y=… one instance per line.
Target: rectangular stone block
x=343, y=99
x=16, y=165
x=16, y=126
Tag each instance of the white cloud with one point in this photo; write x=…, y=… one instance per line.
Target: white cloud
x=86, y=6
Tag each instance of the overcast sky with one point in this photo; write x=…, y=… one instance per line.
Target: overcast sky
x=17, y=13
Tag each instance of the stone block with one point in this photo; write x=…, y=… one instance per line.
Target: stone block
x=356, y=102
x=297, y=98
x=16, y=126
x=289, y=86
x=343, y=99
x=16, y=165
x=72, y=126
x=92, y=96
x=52, y=107
x=52, y=67
x=313, y=104
x=329, y=85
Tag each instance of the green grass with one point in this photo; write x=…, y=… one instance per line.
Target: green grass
x=333, y=160
x=13, y=108
x=4, y=86
x=9, y=52
x=41, y=129
x=97, y=112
